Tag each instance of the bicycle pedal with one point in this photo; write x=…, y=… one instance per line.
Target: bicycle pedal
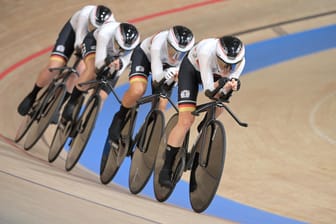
x=140, y=148
x=114, y=145
x=31, y=113
x=130, y=153
x=70, y=142
x=64, y=125
x=165, y=179
x=54, y=119
x=73, y=131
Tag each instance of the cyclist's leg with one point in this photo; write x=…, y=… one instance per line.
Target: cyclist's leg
x=189, y=80
x=136, y=90
x=60, y=54
x=73, y=79
x=89, y=73
x=44, y=78
x=138, y=76
x=174, y=142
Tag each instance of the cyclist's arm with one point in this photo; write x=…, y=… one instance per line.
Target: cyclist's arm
x=238, y=69
x=101, y=48
x=209, y=86
x=156, y=58
x=124, y=62
x=81, y=25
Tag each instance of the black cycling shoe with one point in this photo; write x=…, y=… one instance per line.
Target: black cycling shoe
x=25, y=105
x=115, y=129
x=68, y=111
x=54, y=119
x=164, y=178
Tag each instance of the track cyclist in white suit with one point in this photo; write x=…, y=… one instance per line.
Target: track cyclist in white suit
x=69, y=39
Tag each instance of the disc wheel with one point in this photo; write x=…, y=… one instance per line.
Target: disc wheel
x=25, y=124
x=29, y=119
x=145, y=152
x=83, y=128
x=113, y=157
x=62, y=133
x=207, y=167
x=50, y=107
x=162, y=193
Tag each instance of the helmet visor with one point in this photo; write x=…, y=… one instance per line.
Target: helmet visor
x=173, y=53
x=223, y=66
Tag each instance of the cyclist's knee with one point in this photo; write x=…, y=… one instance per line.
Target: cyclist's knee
x=103, y=95
x=138, y=89
x=56, y=62
x=186, y=119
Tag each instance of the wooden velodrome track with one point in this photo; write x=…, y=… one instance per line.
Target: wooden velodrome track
x=283, y=163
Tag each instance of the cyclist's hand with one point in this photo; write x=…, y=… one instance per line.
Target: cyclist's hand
x=235, y=84
x=170, y=75
x=231, y=85
x=102, y=72
x=115, y=65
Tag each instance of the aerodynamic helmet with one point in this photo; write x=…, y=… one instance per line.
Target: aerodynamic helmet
x=230, y=49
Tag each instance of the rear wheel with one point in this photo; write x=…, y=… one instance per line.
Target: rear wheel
x=162, y=193
x=25, y=124
x=50, y=107
x=146, y=150
x=208, y=165
x=83, y=128
x=62, y=133
x=113, y=157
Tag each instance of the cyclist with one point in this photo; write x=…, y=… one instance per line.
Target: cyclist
x=159, y=55
x=212, y=62
x=106, y=51
x=69, y=39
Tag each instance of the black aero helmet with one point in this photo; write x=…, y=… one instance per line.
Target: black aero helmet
x=127, y=36
x=181, y=38
x=99, y=15
x=230, y=49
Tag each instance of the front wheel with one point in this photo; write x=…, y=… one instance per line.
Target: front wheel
x=146, y=149
x=83, y=128
x=208, y=165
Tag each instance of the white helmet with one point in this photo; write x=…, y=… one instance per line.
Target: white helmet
x=181, y=38
x=127, y=36
x=230, y=49
x=100, y=14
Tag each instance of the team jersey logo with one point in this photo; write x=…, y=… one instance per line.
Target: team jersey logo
x=185, y=94
x=60, y=48
x=139, y=68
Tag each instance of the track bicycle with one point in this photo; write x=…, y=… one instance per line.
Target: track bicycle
x=46, y=107
x=205, y=159
x=145, y=142
x=83, y=121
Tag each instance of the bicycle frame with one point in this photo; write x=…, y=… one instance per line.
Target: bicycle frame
x=40, y=105
x=154, y=99
x=210, y=110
